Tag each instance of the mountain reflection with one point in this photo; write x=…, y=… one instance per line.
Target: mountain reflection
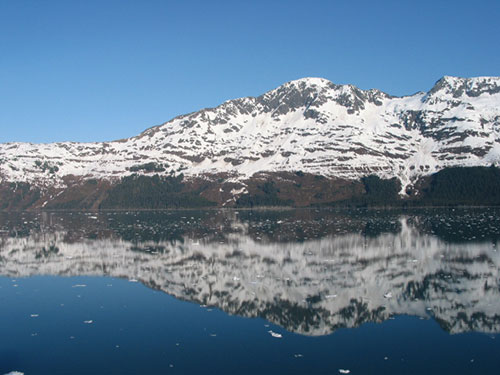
x=309, y=271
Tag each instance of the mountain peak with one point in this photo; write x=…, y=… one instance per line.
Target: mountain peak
x=471, y=87
x=307, y=85
x=309, y=124
x=310, y=81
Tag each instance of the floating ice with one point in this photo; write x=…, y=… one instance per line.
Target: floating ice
x=34, y=315
x=388, y=295
x=88, y=321
x=342, y=371
x=15, y=373
x=79, y=286
x=274, y=334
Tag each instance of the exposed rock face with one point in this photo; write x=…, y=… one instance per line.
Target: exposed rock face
x=309, y=272
x=312, y=125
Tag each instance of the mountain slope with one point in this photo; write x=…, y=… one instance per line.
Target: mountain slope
x=307, y=125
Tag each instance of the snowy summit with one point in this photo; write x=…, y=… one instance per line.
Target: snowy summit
x=311, y=124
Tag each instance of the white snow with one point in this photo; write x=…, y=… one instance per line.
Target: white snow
x=245, y=136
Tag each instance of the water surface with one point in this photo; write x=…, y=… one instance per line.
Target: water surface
x=293, y=291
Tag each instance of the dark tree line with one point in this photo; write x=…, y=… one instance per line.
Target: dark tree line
x=267, y=195
x=152, y=192
x=467, y=186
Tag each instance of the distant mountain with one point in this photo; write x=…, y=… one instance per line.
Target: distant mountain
x=310, y=125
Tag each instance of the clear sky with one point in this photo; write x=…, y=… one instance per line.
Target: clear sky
x=98, y=70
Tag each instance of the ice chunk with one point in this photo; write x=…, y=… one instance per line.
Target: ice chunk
x=15, y=373
x=388, y=295
x=275, y=335
x=342, y=371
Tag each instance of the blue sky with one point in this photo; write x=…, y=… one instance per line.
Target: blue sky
x=103, y=70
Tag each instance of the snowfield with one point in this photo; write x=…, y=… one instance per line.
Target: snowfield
x=309, y=125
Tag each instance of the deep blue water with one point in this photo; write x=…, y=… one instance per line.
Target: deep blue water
x=53, y=322
x=136, y=330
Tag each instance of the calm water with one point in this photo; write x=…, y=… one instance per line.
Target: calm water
x=250, y=292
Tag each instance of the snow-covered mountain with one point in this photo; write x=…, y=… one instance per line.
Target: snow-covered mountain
x=312, y=286
x=310, y=125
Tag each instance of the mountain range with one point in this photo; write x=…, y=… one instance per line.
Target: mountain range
x=312, y=139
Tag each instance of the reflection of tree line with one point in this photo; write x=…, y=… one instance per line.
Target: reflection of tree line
x=453, y=225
